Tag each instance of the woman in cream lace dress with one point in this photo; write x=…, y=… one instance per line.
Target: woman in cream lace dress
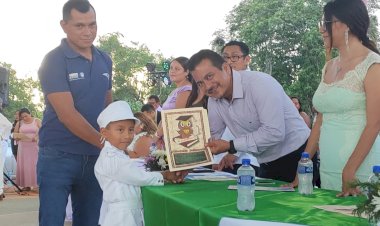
x=348, y=99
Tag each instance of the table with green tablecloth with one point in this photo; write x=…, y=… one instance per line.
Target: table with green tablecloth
x=204, y=203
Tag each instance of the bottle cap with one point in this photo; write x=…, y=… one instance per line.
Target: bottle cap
x=245, y=161
x=376, y=169
x=153, y=144
x=305, y=155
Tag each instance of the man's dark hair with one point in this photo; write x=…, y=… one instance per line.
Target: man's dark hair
x=82, y=6
x=147, y=108
x=216, y=60
x=155, y=97
x=243, y=47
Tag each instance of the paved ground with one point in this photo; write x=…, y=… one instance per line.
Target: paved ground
x=19, y=210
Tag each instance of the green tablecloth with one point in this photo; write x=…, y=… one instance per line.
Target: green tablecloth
x=204, y=203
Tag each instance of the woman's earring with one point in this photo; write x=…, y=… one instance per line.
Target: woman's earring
x=346, y=40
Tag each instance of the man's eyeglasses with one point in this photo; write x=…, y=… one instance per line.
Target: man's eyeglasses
x=323, y=23
x=233, y=58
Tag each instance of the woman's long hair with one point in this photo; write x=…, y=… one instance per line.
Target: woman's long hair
x=354, y=14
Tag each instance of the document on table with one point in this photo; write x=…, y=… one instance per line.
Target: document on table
x=212, y=176
x=346, y=210
x=227, y=221
x=262, y=188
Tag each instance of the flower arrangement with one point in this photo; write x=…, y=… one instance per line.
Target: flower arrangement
x=156, y=161
x=371, y=205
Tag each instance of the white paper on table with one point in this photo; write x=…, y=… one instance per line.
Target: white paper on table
x=346, y=210
x=262, y=188
x=227, y=221
x=215, y=176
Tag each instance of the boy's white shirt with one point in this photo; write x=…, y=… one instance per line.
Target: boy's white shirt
x=120, y=178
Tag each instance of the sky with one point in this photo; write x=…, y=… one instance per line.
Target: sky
x=30, y=29
x=173, y=27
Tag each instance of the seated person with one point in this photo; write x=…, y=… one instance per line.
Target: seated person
x=296, y=101
x=149, y=111
x=144, y=136
x=197, y=97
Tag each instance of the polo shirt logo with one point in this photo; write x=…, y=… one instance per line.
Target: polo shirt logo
x=106, y=75
x=76, y=76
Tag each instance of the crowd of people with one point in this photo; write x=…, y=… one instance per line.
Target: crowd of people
x=88, y=143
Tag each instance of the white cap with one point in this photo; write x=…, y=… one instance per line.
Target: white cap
x=116, y=111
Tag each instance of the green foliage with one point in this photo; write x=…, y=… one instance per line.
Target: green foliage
x=367, y=206
x=373, y=32
x=219, y=41
x=21, y=93
x=284, y=40
x=127, y=63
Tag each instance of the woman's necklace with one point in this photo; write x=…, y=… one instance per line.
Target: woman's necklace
x=338, y=69
x=338, y=65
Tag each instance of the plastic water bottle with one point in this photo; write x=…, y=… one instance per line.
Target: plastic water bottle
x=305, y=175
x=152, y=148
x=246, y=186
x=374, y=178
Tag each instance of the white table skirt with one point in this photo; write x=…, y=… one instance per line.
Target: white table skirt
x=226, y=221
x=10, y=163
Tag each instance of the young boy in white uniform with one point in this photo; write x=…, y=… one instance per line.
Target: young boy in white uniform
x=119, y=177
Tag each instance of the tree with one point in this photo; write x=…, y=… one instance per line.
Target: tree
x=127, y=63
x=21, y=92
x=373, y=32
x=219, y=41
x=285, y=41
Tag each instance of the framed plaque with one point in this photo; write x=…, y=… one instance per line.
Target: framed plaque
x=186, y=131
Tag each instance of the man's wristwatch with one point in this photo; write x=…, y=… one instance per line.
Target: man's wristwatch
x=232, y=149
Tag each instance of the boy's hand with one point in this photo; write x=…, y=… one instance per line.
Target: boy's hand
x=175, y=177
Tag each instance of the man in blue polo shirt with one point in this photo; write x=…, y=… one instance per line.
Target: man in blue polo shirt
x=76, y=81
